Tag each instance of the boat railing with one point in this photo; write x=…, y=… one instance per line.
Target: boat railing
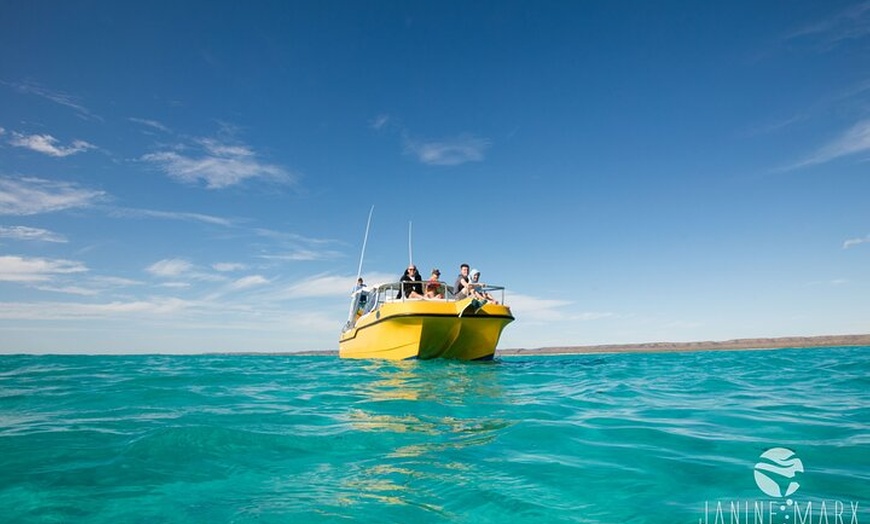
x=366, y=300
x=393, y=292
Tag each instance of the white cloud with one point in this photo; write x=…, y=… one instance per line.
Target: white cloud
x=534, y=309
x=70, y=290
x=290, y=237
x=57, y=97
x=170, y=215
x=294, y=247
x=169, y=267
x=327, y=286
x=305, y=255
x=852, y=242
x=854, y=140
x=852, y=23
x=20, y=269
x=71, y=311
x=320, y=286
x=30, y=233
x=228, y=266
x=380, y=121
x=104, y=281
x=47, y=144
x=153, y=124
x=449, y=152
x=249, y=281
x=30, y=196
x=218, y=165
x=94, y=285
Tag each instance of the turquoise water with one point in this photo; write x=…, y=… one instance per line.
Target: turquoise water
x=586, y=438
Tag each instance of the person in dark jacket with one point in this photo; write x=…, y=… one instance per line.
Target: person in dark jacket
x=412, y=283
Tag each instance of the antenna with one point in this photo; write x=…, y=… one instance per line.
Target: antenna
x=410, y=253
x=365, y=240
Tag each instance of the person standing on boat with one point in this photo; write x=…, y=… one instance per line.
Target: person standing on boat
x=460, y=288
x=412, y=283
x=362, y=301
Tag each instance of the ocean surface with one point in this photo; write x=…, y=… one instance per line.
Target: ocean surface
x=610, y=438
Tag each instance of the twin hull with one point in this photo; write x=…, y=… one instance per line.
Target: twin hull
x=427, y=329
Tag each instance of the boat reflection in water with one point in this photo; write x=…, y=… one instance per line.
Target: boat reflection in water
x=426, y=426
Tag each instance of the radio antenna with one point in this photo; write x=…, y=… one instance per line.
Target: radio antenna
x=365, y=240
x=410, y=252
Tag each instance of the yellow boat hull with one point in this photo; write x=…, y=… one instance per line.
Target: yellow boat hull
x=426, y=329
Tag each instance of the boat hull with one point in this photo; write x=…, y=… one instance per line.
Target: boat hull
x=427, y=329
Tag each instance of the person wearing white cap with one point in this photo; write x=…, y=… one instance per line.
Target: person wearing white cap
x=477, y=287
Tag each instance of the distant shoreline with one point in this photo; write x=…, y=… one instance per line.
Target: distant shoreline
x=668, y=347
x=710, y=345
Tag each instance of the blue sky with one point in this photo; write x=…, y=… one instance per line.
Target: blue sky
x=196, y=176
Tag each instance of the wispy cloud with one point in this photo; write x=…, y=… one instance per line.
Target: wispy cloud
x=153, y=124
x=106, y=281
x=535, y=309
x=302, y=255
x=850, y=100
x=58, y=97
x=249, y=282
x=225, y=267
x=31, y=196
x=170, y=267
x=319, y=286
x=31, y=233
x=290, y=237
x=854, y=140
x=294, y=247
x=70, y=290
x=83, y=286
x=380, y=121
x=217, y=164
x=447, y=152
x=160, y=306
x=852, y=242
x=21, y=269
x=48, y=145
x=851, y=23
x=170, y=215
x=180, y=268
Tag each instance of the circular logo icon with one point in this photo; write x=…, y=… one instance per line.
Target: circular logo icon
x=775, y=471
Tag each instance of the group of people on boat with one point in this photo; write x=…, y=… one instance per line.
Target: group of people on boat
x=467, y=284
x=412, y=285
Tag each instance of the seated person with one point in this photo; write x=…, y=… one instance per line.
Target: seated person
x=460, y=288
x=434, y=288
x=477, y=288
x=412, y=284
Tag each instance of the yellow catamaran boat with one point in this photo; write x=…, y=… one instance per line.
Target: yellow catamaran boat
x=384, y=324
